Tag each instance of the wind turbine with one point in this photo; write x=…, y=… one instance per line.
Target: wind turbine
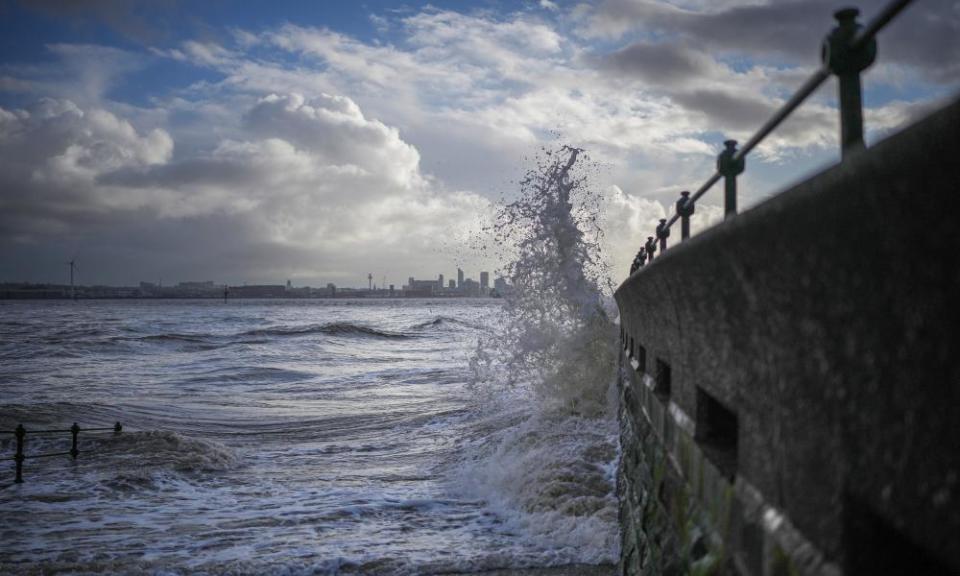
x=73, y=267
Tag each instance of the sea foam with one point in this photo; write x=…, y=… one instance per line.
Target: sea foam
x=544, y=454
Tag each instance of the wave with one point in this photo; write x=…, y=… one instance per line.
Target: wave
x=441, y=321
x=193, y=338
x=545, y=449
x=332, y=329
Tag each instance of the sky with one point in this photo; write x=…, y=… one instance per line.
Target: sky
x=256, y=142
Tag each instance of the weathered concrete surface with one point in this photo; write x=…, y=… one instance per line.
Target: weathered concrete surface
x=827, y=319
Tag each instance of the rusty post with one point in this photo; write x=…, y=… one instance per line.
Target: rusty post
x=20, y=433
x=74, y=431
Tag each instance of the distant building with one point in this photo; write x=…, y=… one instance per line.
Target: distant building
x=259, y=291
x=332, y=290
x=459, y=278
x=484, y=283
x=470, y=287
x=440, y=281
x=452, y=285
x=208, y=285
x=427, y=287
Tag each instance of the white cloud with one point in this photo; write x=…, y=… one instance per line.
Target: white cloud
x=313, y=176
x=312, y=150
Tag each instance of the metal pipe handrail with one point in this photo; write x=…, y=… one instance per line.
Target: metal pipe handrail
x=21, y=433
x=889, y=12
x=114, y=428
x=856, y=50
x=808, y=88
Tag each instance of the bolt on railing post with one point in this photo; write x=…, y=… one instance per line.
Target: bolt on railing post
x=730, y=168
x=18, y=457
x=685, y=210
x=74, y=431
x=662, y=233
x=847, y=63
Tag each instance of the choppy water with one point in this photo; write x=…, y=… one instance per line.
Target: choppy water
x=288, y=437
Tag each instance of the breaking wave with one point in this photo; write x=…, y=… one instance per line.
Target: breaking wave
x=333, y=329
x=545, y=453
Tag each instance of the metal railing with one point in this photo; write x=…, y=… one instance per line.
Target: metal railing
x=848, y=50
x=20, y=433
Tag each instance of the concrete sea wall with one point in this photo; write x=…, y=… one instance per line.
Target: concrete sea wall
x=791, y=378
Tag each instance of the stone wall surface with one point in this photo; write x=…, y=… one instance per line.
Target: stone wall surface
x=825, y=322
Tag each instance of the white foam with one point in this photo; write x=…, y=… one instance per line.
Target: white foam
x=544, y=452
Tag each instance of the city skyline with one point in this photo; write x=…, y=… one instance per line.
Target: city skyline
x=72, y=271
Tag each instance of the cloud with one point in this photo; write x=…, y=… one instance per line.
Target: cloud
x=311, y=186
x=81, y=72
x=303, y=149
x=660, y=63
x=926, y=36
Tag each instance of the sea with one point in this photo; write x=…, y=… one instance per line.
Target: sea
x=322, y=436
x=285, y=437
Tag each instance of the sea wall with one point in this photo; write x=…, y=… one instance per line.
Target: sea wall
x=791, y=382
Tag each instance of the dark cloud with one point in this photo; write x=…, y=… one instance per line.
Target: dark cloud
x=925, y=36
x=734, y=110
x=660, y=63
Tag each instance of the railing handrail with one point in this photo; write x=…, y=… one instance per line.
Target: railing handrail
x=857, y=52
x=28, y=431
x=21, y=433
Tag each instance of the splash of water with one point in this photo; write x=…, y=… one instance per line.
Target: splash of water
x=545, y=459
x=556, y=337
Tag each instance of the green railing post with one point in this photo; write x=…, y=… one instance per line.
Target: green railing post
x=729, y=167
x=847, y=62
x=662, y=233
x=685, y=210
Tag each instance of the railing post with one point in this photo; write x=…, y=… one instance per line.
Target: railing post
x=74, y=431
x=662, y=233
x=847, y=63
x=18, y=457
x=730, y=168
x=651, y=247
x=685, y=210
x=643, y=257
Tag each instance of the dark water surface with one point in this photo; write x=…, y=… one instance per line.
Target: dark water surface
x=288, y=437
